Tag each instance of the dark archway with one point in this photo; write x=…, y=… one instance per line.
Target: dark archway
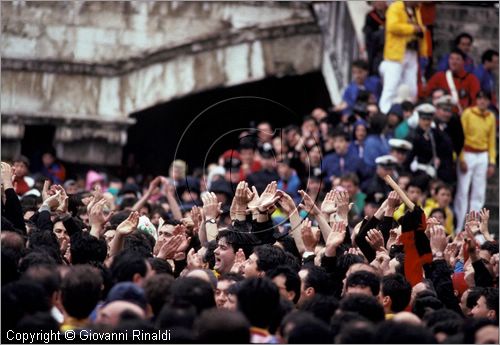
x=153, y=140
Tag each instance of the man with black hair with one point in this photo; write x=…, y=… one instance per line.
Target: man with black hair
x=21, y=298
x=49, y=278
x=343, y=161
x=157, y=290
x=287, y=281
x=129, y=266
x=85, y=248
x=391, y=332
x=80, y=292
x=194, y=291
x=263, y=258
x=222, y=326
x=229, y=241
x=363, y=282
x=259, y=301
x=366, y=306
x=426, y=302
x=462, y=42
x=221, y=292
x=323, y=307
x=464, y=85
x=361, y=81
x=487, y=304
x=485, y=73
x=35, y=258
x=140, y=242
x=395, y=294
x=314, y=280
x=314, y=332
x=176, y=315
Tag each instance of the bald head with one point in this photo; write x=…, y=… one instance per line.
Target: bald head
x=407, y=317
x=11, y=239
x=110, y=314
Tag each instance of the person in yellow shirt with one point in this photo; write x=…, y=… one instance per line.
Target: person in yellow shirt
x=477, y=160
x=442, y=200
x=404, y=42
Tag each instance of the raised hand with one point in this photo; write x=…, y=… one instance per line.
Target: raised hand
x=239, y=262
x=53, y=201
x=211, y=206
x=243, y=196
x=166, y=186
x=95, y=198
x=179, y=229
x=287, y=204
x=184, y=244
x=197, y=217
x=375, y=240
x=46, y=190
x=154, y=185
x=328, y=205
x=194, y=260
x=381, y=262
x=7, y=175
x=309, y=238
x=472, y=221
x=484, y=215
x=269, y=197
x=128, y=225
x=254, y=202
x=169, y=247
x=343, y=206
x=308, y=204
x=96, y=215
x=450, y=254
x=393, y=238
x=63, y=198
x=393, y=200
x=438, y=239
x=336, y=238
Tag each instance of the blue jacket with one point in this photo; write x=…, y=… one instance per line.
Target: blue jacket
x=372, y=85
x=375, y=146
x=486, y=79
x=331, y=165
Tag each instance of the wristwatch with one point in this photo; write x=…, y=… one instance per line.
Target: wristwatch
x=438, y=255
x=212, y=221
x=307, y=254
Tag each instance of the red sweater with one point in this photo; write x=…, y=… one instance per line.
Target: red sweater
x=463, y=81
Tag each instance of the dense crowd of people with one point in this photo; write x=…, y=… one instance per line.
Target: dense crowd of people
x=294, y=236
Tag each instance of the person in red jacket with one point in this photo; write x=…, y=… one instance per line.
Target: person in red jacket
x=21, y=170
x=466, y=85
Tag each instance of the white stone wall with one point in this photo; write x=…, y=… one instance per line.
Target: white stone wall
x=105, y=60
x=94, y=31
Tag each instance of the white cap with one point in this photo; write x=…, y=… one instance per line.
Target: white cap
x=425, y=109
x=386, y=160
x=400, y=144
